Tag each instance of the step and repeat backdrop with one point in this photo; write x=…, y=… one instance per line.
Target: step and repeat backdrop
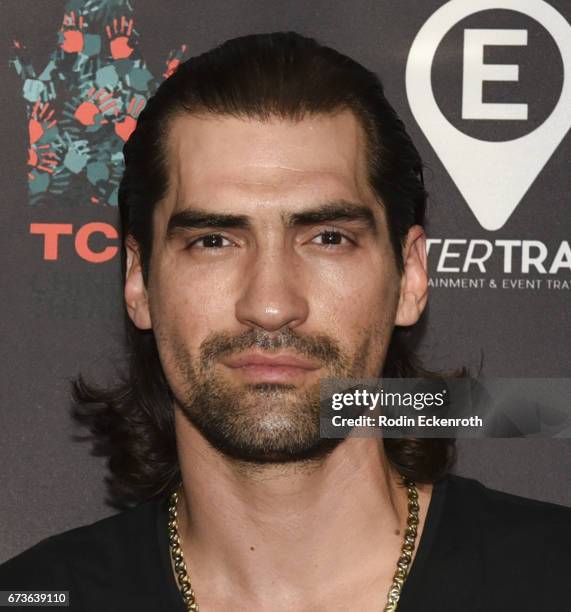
x=484, y=87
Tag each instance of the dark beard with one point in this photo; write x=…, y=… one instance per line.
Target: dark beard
x=267, y=422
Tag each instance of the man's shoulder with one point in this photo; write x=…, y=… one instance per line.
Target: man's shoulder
x=508, y=521
x=501, y=505
x=102, y=544
x=495, y=551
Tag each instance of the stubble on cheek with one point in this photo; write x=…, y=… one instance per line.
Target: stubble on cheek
x=191, y=375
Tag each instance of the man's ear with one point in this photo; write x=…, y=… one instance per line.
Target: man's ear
x=135, y=292
x=414, y=281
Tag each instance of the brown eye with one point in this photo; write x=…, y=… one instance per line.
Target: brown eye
x=210, y=241
x=332, y=238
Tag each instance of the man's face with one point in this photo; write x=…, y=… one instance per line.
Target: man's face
x=271, y=268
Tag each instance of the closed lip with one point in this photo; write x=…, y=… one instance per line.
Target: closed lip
x=265, y=360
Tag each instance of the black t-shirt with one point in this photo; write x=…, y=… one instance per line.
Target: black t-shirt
x=480, y=550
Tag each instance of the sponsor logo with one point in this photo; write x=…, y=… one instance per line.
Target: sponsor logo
x=83, y=104
x=509, y=115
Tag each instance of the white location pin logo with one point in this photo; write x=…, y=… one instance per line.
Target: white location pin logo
x=493, y=177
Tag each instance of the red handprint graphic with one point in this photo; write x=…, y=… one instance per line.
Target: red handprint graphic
x=119, y=38
x=43, y=158
x=72, y=34
x=40, y=155
x=99, y=102
x=124, y=128
x=174, y=59
x=40, y=121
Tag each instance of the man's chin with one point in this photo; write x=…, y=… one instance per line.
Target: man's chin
x=254, y=433
x=259, y=422
x=286, y=454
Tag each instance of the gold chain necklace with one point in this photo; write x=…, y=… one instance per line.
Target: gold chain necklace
x=403, y=564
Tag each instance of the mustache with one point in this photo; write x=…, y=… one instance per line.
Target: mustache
x=319, y=346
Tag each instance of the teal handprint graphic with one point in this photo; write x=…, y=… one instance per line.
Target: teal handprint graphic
x=83, y=105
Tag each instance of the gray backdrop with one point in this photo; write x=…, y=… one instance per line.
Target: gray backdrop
x=63, y=316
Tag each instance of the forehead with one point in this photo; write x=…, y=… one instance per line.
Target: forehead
x=216, y=160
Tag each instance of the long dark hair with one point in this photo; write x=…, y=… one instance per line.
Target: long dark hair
x=261, y=76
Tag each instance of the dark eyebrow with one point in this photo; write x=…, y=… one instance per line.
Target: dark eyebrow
x=342, y=210
x=197, y=218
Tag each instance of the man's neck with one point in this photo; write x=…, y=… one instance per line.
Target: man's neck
x=293, y=536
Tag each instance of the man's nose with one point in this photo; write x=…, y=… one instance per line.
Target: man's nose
x=272, y=295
